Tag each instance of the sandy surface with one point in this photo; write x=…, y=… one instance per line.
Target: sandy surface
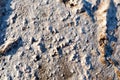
x=59, y=39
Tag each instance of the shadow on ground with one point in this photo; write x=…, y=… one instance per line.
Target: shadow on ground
x=14, y=48
x=111, y=27
x=88, y=8
x=5, y=12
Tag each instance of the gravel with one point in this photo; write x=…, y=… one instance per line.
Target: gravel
x=58, y=40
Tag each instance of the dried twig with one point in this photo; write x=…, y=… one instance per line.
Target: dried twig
x=7, y=45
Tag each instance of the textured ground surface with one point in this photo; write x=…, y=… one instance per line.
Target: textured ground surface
x=59, y=40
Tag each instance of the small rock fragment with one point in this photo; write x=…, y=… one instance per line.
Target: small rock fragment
x=36, y=58
x=71, y=57
x=13, y=18
x=28, y=69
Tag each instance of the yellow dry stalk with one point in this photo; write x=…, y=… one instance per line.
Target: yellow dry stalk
x=117, y=71
x=7, y=45
x=100, y=15
x=103, y=60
